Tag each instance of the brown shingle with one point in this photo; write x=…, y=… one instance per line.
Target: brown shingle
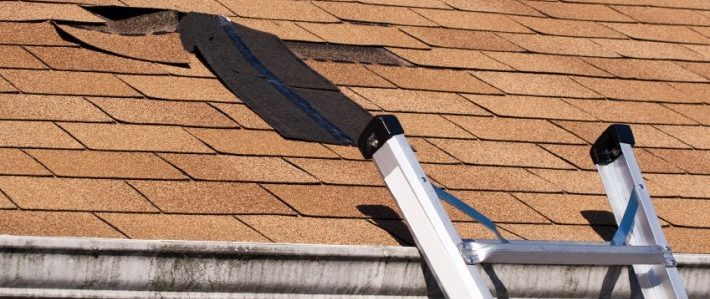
x=5, y=203
x=17, y=57
x=206, y=6
x=651, y=50
x=633, y=112
x=182, y=227
x=487, y=178
x=364, y=35
x=79, y=59
x=234, y=168
x=268, y=143
x=696, y=67
x=644, y=135
x=141, y=111
x=195, y=69
x=463, y=39
x=536, y=84
x=338, y=201
x=14, y=161
x=584, y=182
x=683, y=212
x=656, y=15
x=6, y=86
x=73, y=194
x=695, y=162
x=430, y=125
x=567, y=27
x=570, y=209
x=636, y=90
x=575, y=11
x=699, y=113
x=288, y=229
x=645, y=69
x=696, y=91
x=139, y=47
x=409, y=3
x=348, y=74
x=501, y=6
x=106, y=164
x=399, y=100
x=35, y=134
x=33, y=11
x=696, y=137
x=360, y=100
x=451, y=58
x=500, y=153
x=547, y=64
x=181, y=88
x=286, y=30
x=498, y=206
x=704, y=50
x=30, y=34
x=55, y=224
x=664, y=33
x=210, y=197
x=346, y=152
x=243, y=115
x=560, y=232
x=433, y=79
x=530, y=107
x=511, y=129
x=688, y=239
x=428, y=153
x=472, y=20
x=340, y=171
x=374, y=13
x=579, y=156
x=135, y=138
x=68, y=83
x=280, y=10
x=477, y=231
x=558, y=45
x=695, y=186
x=29, y=107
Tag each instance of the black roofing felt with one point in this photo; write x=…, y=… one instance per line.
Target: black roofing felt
x=257, y=66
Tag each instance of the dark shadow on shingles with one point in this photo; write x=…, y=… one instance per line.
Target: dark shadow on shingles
x=388, y=219
x=600, y=222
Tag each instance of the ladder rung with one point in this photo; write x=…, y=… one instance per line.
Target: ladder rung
x=561, y=253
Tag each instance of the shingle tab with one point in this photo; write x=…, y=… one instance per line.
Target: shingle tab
x=279, y=10
x=694, y=186
x=451, y=58
x=286, y=30
x=35, y=134
x=663, y=33
x=579, y=182
x=74, y=194
x=634, y=90
x=135, y=138
x=80, y=59
x=267, y=143
x=696, y=136
x=58, y=224
x=433, y=79
x=374, y=13
x=542, y=63
x=33, y=11
x=340, y=171
x=688, y=239
x=657, y=15
x=500, y=153
x=206, y=6
x=511, y=129
x=36, y=107
x=569, y=208
x=182, y=227
x=68, y=83
x=364, y=35
x=472, y=20
x=579, y=156
x=243, y=115
x=337, y=201
x=501, y=6
x=630, y=112
x=234, y=168
x=500, y=207
x=430, y=125
x=558, y=45
x=692, y=161
x=575, y=11
x=487, y=178
x=645, y=69
x=462, y=39
x=530, y=107
x=683, y=212
x=399, y=100
x=561, y=232
x=14, y=161
x=650, y=50
x=141, y=111
x=644, y=135
x=95, y=164
x=568, y=27
x=181, y=88
x=17, y=57
x=348, y=74
x=44, y=33
x=536, y=84
x=210, y=197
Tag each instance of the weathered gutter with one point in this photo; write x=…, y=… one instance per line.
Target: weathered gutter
x=107, y=268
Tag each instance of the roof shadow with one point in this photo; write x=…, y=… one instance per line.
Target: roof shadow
x=600, y=222
x=388, y=219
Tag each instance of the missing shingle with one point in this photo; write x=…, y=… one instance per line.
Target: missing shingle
x=345, y=53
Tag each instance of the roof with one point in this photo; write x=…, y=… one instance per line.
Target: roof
x=500, y=100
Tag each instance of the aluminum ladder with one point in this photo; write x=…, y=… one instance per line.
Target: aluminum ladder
x=454, y=262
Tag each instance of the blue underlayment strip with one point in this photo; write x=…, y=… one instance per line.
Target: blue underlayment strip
x=468, y=210
x=627, y=221
x=284, y=89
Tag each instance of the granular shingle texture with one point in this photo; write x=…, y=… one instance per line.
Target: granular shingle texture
x=132, y=136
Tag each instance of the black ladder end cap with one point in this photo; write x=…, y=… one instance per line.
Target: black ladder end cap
x=378, y=131
x=607, y=147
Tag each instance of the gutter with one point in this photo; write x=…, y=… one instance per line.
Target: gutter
x=48, y=267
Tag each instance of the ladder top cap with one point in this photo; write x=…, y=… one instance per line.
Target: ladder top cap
x=380, y=129
x=607, y=147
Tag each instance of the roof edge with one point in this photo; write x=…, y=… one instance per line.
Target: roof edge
x=113, y=268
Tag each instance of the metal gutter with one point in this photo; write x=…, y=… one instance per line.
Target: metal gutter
x=45, y=267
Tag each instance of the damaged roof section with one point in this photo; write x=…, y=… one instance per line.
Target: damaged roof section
x=501, y=113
